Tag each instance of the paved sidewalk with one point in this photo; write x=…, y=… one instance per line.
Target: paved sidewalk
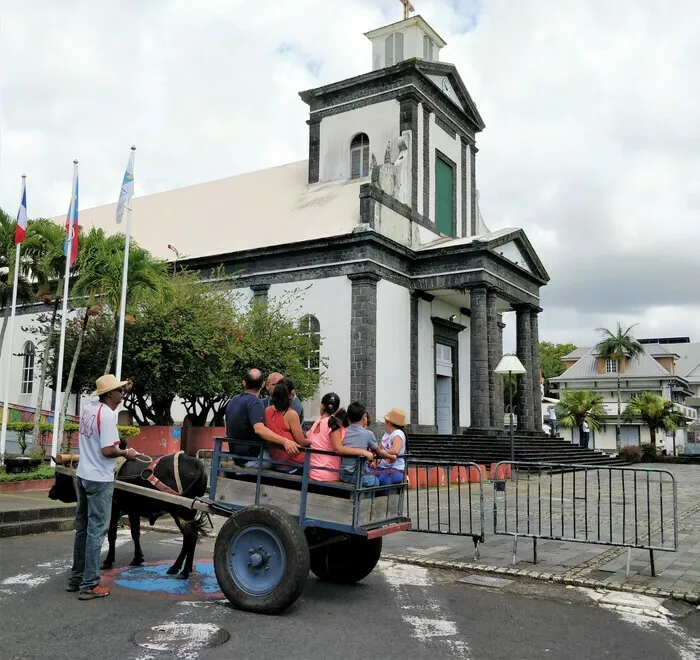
x=675, y=571
x=29, y=500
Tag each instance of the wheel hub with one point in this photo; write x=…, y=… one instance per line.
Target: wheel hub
x=258, y=558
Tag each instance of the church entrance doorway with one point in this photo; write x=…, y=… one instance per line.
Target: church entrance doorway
x=444, y=416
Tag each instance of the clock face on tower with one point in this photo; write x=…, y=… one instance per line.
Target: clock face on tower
x=446, y=86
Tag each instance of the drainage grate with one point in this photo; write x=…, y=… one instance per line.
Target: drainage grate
x=181, y=637
x=485, y=581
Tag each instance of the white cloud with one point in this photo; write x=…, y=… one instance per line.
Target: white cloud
x=591, y=108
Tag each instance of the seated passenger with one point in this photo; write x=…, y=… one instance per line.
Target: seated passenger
x=245, y=420
x=391, y=471
x=358, y=441
x=282, y=420
x=326, y=467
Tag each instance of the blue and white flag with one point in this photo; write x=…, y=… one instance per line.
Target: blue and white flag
x=127, y=191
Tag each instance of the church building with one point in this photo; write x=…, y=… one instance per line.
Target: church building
x=380, y=225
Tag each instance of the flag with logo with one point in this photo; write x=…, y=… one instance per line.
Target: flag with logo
x=127, y=190
x=72, y=227
x=21, y=230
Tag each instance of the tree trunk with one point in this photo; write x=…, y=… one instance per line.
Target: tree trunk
x=618, y=428
x=73, y=366
x=580, y=435
x=112, y=346
x=652, y=435
x=5, y=319
x=44, y=367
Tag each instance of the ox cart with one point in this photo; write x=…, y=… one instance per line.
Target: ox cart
x=281, y=525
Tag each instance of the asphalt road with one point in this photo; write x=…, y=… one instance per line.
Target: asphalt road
x=400, y=611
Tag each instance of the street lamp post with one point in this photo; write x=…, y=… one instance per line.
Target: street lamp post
x=510, y=365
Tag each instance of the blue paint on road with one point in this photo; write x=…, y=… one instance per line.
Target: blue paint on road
x=155, y=579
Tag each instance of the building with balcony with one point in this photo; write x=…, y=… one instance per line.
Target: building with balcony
x=663, y=369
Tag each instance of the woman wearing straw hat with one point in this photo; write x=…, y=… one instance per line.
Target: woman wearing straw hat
x=390, y=471
x=99, y=449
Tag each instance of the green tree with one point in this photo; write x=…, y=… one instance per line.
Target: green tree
x=617, y=346
x=655, y=412
x=551, y=363
x=578, y=406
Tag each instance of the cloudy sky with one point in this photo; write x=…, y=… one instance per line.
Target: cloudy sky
x=592, y=140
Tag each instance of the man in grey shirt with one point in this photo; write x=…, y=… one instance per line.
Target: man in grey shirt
x=272, y=380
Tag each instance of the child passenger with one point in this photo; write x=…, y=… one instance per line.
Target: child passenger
x=394, y=444
x=358, y=441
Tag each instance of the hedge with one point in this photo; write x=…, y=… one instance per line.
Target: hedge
x=45, y=427
x=43, y=472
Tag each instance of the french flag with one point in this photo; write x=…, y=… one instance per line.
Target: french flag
x=21, y=230
x=72, y=228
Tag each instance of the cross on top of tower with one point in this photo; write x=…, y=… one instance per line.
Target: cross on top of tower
x=407, y=8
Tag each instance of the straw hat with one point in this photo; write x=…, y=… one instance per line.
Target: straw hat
x=108, y=383
x=396, y=416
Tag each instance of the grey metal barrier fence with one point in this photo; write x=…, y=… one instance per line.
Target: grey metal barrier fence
x=446, y=498
x=617, y=506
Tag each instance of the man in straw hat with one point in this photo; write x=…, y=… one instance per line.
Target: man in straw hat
x=99, y=449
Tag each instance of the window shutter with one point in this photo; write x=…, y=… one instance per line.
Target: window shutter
x=389, y=51
x=399, y=47
x=444, y=197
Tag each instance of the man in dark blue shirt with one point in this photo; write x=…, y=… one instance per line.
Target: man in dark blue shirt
x=245, y=418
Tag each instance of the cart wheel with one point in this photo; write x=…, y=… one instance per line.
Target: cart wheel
x=261, y=559
x=346, y=562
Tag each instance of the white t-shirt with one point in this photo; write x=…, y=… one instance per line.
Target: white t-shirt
x=387, y=444
x=98, y=429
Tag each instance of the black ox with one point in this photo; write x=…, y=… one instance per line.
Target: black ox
x=192, y=524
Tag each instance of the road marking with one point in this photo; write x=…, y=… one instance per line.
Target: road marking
x=423, y=613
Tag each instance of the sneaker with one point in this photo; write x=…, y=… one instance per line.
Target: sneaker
x=95, y=592
x=72, y=588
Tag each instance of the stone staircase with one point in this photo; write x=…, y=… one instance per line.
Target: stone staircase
x=19, y=522
x=491, y=446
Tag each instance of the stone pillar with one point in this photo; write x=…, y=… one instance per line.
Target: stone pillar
x=524, y=353
x=472, y=184
x=260, y=292
x=314, y=149
x=492, y=329
x=408, y=121
x=499, y=379
x=536, y=387
x=479, y=360
x=413, y=419
x=427, y=110
x=363, y=342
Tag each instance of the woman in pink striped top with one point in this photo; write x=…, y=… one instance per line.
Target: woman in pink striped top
x=325, y=467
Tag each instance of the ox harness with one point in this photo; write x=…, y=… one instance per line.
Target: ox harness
x=149, y=475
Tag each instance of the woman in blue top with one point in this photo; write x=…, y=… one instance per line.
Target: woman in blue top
x=390, y=471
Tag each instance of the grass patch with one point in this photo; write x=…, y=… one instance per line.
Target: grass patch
x=44, y=472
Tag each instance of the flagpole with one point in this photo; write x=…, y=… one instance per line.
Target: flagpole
x=125, y=277
x=8, y=359
x=64, y=314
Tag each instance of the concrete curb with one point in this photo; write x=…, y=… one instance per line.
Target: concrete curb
x=691, y=598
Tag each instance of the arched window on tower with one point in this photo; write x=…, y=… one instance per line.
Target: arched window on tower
x=28, y=354
x=311, y=328
x=359, y=156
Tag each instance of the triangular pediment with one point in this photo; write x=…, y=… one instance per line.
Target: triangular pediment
x=436, y=71
x=515, y=247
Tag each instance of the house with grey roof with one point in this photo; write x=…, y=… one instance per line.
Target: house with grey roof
x=662, y=369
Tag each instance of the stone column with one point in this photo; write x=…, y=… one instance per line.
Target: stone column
x=314, y=149
x=492, y=328
x=363, y=342
x=260, y=292
x=472, y=184
x=499, y=379
x=536, y=387
x=524, y=353
x=413, y=419
x=427, y=110
x=479, y=359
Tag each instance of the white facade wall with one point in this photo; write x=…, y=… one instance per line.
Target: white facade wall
x=379, y=121
x=465, y=388
x=451, y=147
x=393, y=348
x=393, y=225
x=329, y=300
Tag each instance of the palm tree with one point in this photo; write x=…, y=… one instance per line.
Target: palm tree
x=44, y=249
x=616, y=346
x=655, y=412
x=579, y=406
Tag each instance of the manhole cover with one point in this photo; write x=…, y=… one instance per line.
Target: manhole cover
x=181, y=637
x=485, y=581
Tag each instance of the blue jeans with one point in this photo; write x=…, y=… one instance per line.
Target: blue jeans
x=389, y=476
x=368, y=480
x=91, y=523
